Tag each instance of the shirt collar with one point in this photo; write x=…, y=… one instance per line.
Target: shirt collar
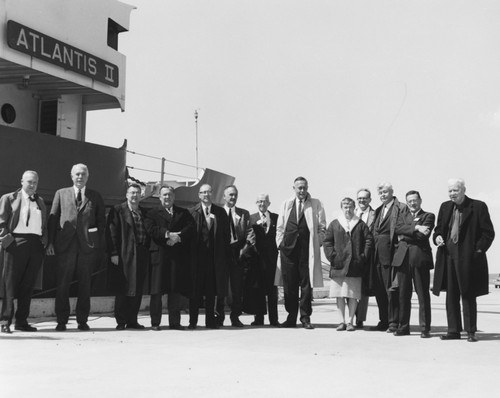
x=81, y=189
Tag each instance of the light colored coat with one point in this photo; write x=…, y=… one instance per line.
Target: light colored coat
x=314, y=214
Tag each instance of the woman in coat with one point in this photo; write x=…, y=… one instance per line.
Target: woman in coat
x=347, y=245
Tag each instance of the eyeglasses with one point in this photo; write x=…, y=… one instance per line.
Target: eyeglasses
x=205, y=192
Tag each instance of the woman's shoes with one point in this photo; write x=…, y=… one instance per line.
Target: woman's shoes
x=350, y=328
x=342, y=326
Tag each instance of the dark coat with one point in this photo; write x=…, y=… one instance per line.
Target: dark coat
x=348, y=253
x=413, y=244
x=171, y=273
x=221, y=250
x=121, y=242
x=265, y=245
x=476, y=233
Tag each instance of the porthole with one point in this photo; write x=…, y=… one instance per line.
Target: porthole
x=8, y=113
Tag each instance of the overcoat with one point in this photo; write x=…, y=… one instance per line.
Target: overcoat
x=10, y=208
x=348, y=253
x=121, y=240
x=171, y=273
x=220, y=230
x=314, y=214
x=475, y=233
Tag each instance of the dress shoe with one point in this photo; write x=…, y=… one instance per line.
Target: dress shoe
x=236, y=323
x=350, y=328
x=25, y=328
x=307, y=325
x=471, y=337
x=288, y=324
x=156, y=328
x=120, y=326
x=359, y=325
x=342, y=326
x=381, y=327
x=402, y=332
x=257, y=323
x=6, y=329
x=391, y=329
x=276, y=324
x=192, y=326
x=212, y=325
x=450, y=336
x=177, y=327
x=84, y=327
x=425, y=335
x=61, y=327
x=135, y=325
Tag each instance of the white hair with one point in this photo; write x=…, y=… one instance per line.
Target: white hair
x=387, y=185
x=80, y=166
x=32, y=172
x=456, y=181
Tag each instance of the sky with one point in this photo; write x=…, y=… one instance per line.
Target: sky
x=345, y=93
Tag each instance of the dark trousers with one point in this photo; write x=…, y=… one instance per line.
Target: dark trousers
x=387, y=297
x=362, y=308
x=235, y=277
x=409, y=275
x=174, y=306
x=295, y=271
x=127, y=307
x=272, y=307
x=194, y=310
x=453, y=295
x=24, y=258
x=73, y=262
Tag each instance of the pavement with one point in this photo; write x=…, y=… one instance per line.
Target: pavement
x=254, y=361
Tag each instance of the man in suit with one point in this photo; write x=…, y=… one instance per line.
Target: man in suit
x=300, y=232
x=23, y=235
x=128, y=247
x=464, y=232
x=382, y=273
x=210, y=251
x=366, y=213
x=238, y=227
x=76, y=236
x=413, y=262
x=262, y=235
x=171, y=228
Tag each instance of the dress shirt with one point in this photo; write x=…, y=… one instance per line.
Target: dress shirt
x=265, y=218
x=234, y=238
x=35, y=217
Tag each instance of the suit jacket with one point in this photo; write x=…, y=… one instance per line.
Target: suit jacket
x=371, y=217
x=241, y=227
x=121, y=242
x=67, y=222
x=172, y=272
x=265, y=245
x=10, y=210
x=476, y=233
x=314, y=214
x=221, y=249
x=414, y=246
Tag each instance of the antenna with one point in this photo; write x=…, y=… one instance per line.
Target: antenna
x=196, y=131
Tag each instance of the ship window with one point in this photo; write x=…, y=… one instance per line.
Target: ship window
x=48, y=117
x=8, y=113
x=113, y=30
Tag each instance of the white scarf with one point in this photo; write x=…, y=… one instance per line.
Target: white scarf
x=348, y=225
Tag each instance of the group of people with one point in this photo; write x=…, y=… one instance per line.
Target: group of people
x=209, y=256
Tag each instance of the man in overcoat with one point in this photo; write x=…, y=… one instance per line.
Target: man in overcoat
x=260, y=279
x=382, y=273
x=413, y=262
x=210, y=250
x=463, y=234
x=171, y=228
x=76, y=227
x=23, y=235
x=128, y=248
x=300, y=232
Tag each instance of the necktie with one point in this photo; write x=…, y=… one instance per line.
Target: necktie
x=79, y=198
x=455, y=226
x=207, y=218
x=231, y=225
x=31, y=199
x=300, y=210
x=264, y=222
x=382, y=215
